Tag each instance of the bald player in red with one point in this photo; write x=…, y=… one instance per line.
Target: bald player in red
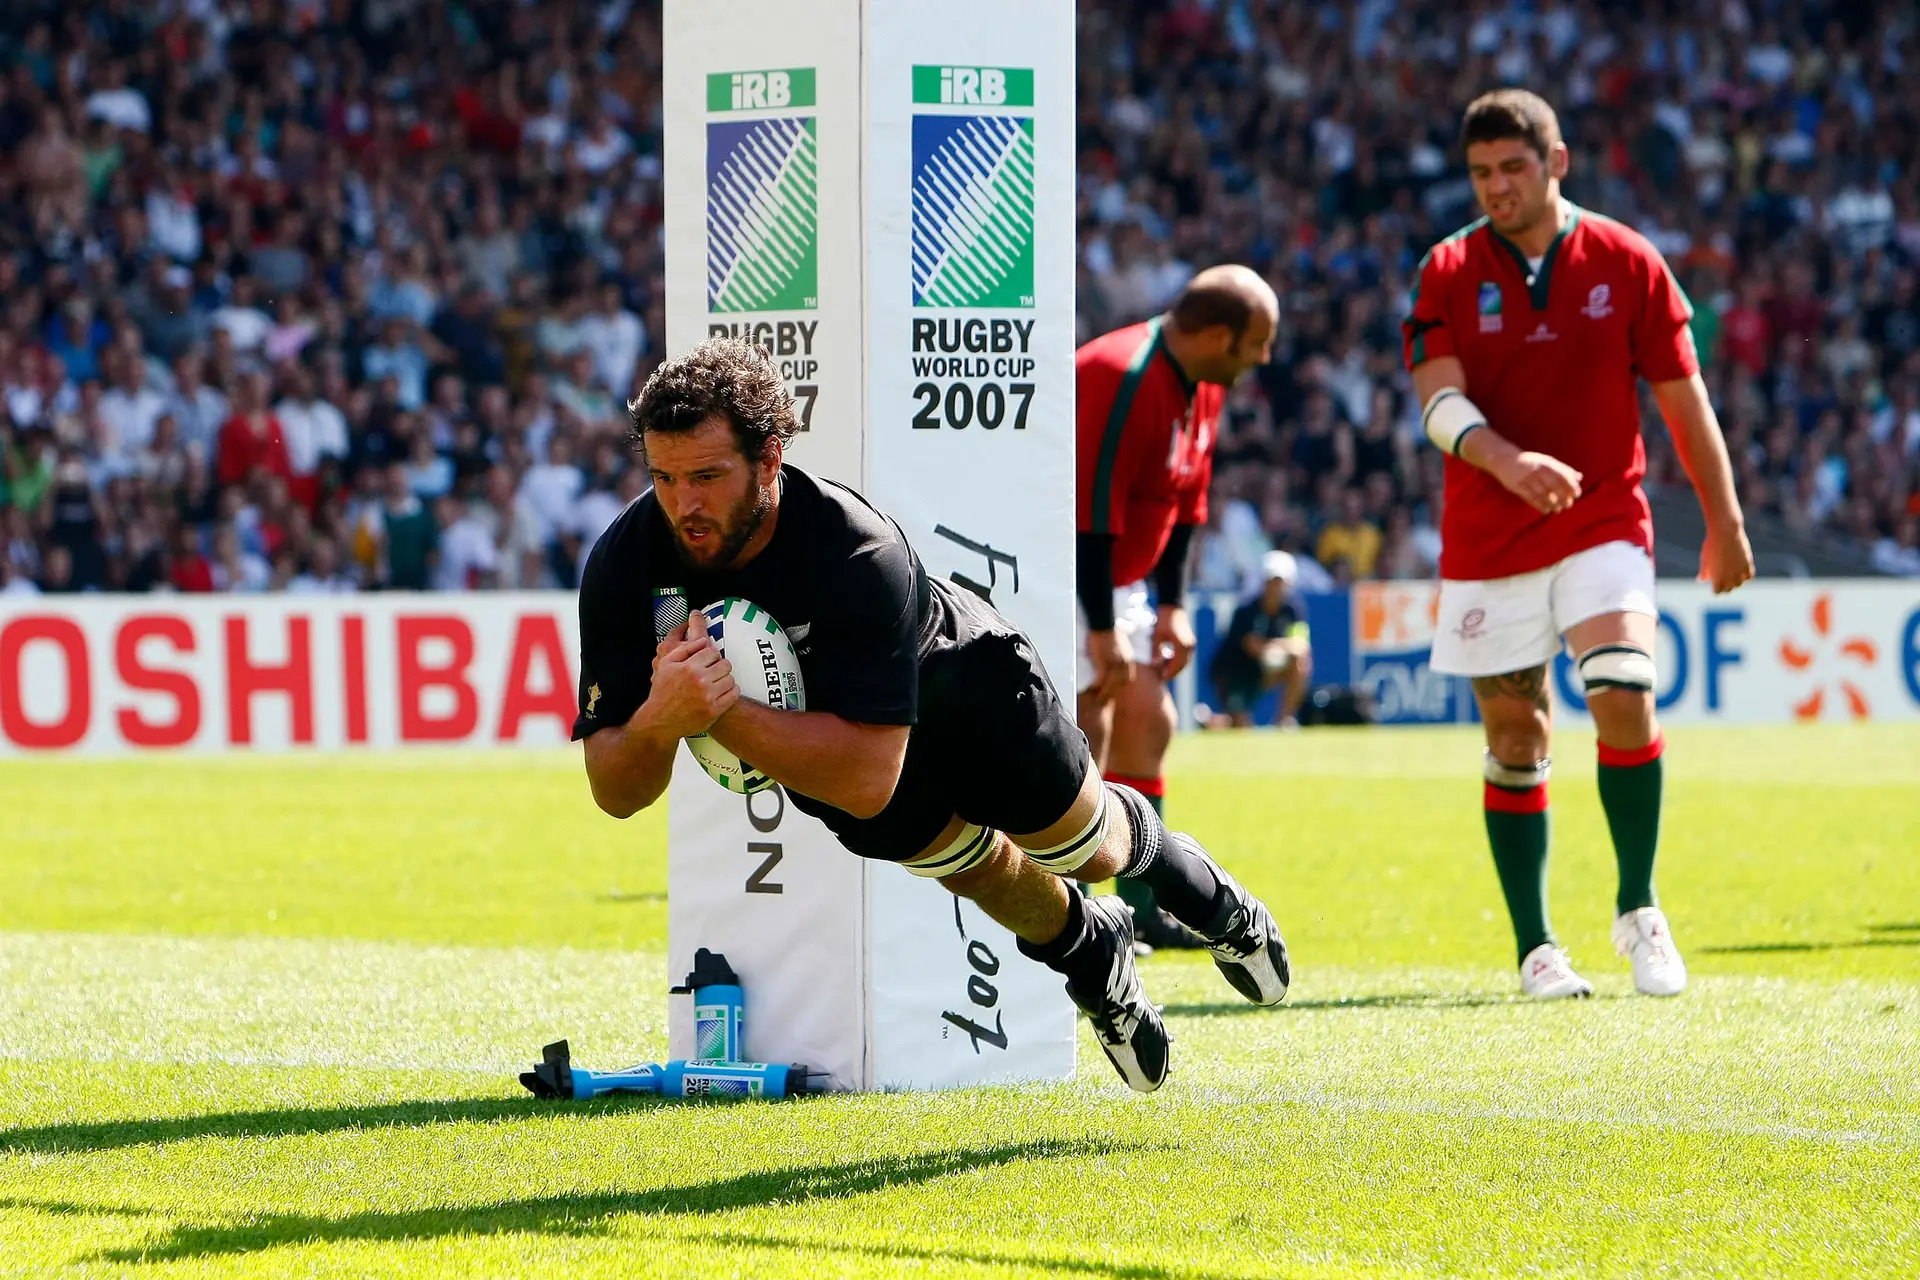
x=1530, y=331
x=1148, y=405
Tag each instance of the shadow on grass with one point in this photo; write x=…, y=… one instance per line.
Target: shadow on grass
x=588, y=1212
x=624, y=897
x=975, y=1257
x=1909, y=926
x=1388, y=1000
x=1766, y=948
x=106, y=1135
x=72, y=1209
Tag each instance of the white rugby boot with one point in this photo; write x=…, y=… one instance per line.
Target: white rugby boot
x=1643, y=936
x=1547, y=974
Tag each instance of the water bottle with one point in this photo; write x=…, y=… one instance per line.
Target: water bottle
x=719, y=1009
x=679, y=1079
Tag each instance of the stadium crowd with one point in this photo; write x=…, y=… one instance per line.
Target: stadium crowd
x=329, y=295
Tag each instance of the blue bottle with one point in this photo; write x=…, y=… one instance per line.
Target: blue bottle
x=733, y=1079
x=719, y=1009
x=557, y=1077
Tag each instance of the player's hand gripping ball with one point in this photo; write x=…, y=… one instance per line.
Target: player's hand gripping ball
x=766, y=669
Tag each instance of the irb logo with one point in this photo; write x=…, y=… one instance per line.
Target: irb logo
x=761, y=89
x=772, y=90
x=973, y=86
x=980, y=86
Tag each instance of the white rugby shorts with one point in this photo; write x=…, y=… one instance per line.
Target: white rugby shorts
x=1133, y=619
x=1498, y=625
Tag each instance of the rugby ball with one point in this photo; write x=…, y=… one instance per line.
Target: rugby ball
x=767, y=670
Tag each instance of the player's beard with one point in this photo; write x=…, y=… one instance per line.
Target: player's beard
x=730, y=536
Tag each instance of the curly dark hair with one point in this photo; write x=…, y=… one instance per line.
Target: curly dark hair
x=724, y=376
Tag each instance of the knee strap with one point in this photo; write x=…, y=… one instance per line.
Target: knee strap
x=1617, y=666
x=1517, y=777
x=962, y=853
x=1070, y=855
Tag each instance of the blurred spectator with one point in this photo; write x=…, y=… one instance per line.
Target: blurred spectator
x=396, y=355
x=13, y=584
x=251, y=440
x=168, y=320
x=198, y=409
x=1899, y=552
x=488, y=252
x=323, y=574
x=549, y=490
x=598, y=507
x=57, y=573
x=429, y=472
x=245, y=324
x=129, y=410
x=234, y=567
x=1352, y=541
x=409, y=535
x=191, y=571
x=74, y=516
x=465, y=329
x=468, y=558
x=615, y=337
x=313, y=430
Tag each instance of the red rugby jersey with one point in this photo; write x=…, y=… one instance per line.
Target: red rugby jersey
x=1552, y=359
x=1145, y=444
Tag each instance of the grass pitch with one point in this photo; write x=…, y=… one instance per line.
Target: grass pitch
x=261, y=1017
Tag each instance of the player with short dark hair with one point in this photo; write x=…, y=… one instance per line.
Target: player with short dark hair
x=932, y=736
x=1148, y=406
x=1547, y=315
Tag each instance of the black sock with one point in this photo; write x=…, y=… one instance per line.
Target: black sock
x=1181, y=878
x=1072, y=954
x=1136, y=893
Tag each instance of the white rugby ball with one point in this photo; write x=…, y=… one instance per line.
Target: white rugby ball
x=767, y=670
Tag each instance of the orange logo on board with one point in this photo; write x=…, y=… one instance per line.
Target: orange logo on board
x=1857, y=649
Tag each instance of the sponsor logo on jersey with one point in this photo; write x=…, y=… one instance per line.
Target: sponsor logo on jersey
x=973, y=188
x=1598, y=307
x=763, y=206
x=1542, y=334
x=1489, y=307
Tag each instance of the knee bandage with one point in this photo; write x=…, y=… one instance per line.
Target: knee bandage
x=962, y=853
x=1617, y=666
x=1517, y=777
x=1070, y=855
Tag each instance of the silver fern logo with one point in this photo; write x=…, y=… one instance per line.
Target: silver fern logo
x=763, y=215
x=973, y=186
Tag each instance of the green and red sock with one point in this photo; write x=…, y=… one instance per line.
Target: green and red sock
x=1519, y=831
x=1631, y=785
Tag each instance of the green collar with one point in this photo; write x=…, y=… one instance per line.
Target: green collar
x=1187, y=384
x=1537, y=281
